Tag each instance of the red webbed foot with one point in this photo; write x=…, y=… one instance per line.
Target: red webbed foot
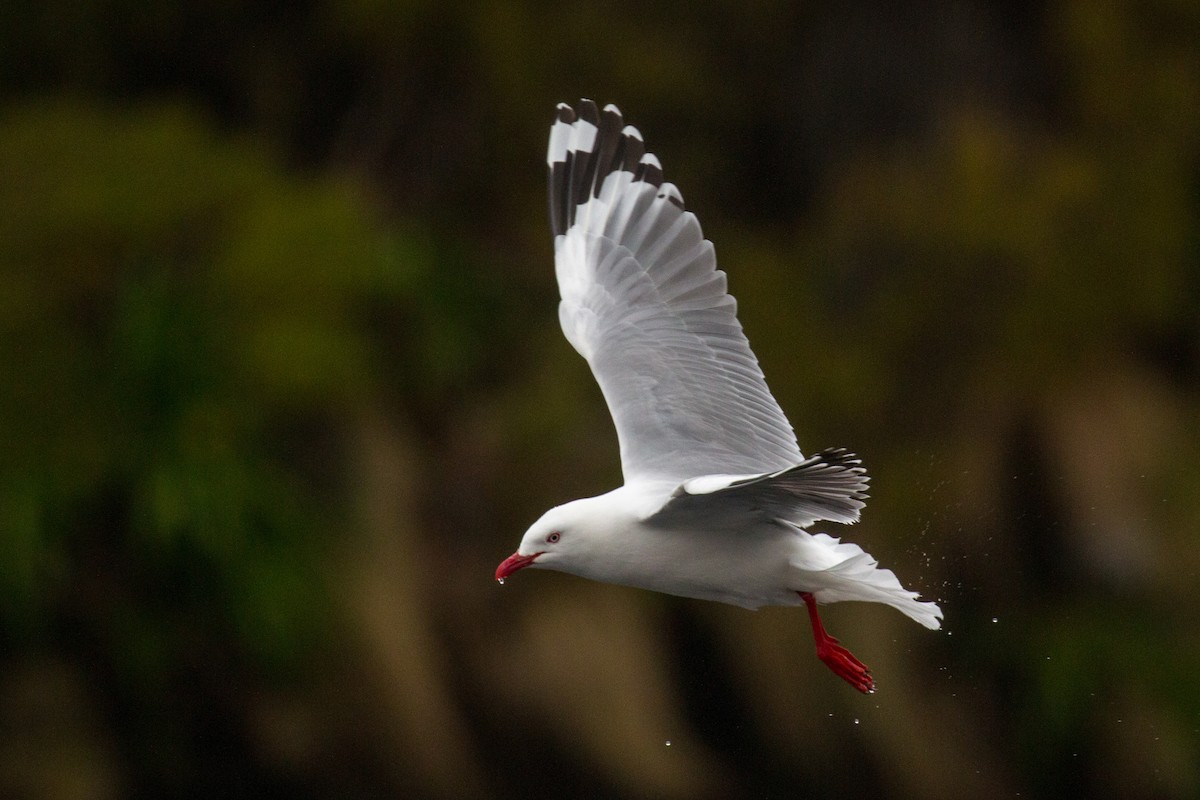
x=840, y=660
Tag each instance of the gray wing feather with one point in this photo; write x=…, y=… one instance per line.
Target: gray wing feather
x=831, y=485
x=644, y=303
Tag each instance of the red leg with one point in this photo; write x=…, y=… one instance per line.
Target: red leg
x=837, y=658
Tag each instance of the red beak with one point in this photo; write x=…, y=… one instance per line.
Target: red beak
x=513, y=563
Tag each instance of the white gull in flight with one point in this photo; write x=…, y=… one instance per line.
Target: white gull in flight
x=717, y=494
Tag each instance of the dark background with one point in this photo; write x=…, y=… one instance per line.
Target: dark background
x=281, y=382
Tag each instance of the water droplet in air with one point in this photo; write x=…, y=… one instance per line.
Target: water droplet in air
x=668, y=742
x=856, y=720
x=500, y=581
x=995, y=619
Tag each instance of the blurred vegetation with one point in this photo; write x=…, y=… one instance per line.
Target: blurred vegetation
x=282, y=382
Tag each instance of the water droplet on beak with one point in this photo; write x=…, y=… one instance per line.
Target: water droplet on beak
x=500, y=581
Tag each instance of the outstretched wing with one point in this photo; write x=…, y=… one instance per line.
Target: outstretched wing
x=644, y=303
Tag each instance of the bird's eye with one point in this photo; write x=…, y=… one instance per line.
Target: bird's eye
x=554, y=537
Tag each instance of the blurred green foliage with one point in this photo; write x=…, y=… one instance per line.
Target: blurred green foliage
x=180, y=316
x=281, y=381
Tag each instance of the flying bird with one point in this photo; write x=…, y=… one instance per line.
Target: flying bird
x=717, y=497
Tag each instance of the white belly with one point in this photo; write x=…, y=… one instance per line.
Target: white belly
x=749, y=568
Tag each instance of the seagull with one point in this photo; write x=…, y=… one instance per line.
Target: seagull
x=717, y=497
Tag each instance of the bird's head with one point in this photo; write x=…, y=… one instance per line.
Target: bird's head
x=561, y=540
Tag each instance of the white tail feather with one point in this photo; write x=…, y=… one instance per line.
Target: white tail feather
x=835, y=571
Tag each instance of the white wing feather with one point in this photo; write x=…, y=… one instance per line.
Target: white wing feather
x=643, y=302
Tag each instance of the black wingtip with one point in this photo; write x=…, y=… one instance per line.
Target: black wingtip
x=588, y=111
x=578, y=171
x=839, y=460
x=649, y=170
x=839, y=457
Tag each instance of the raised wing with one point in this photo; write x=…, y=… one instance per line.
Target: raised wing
x=643, y=302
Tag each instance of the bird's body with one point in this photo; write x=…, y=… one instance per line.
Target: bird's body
x=717, y=494
x=747, y=570
x=625, y=537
